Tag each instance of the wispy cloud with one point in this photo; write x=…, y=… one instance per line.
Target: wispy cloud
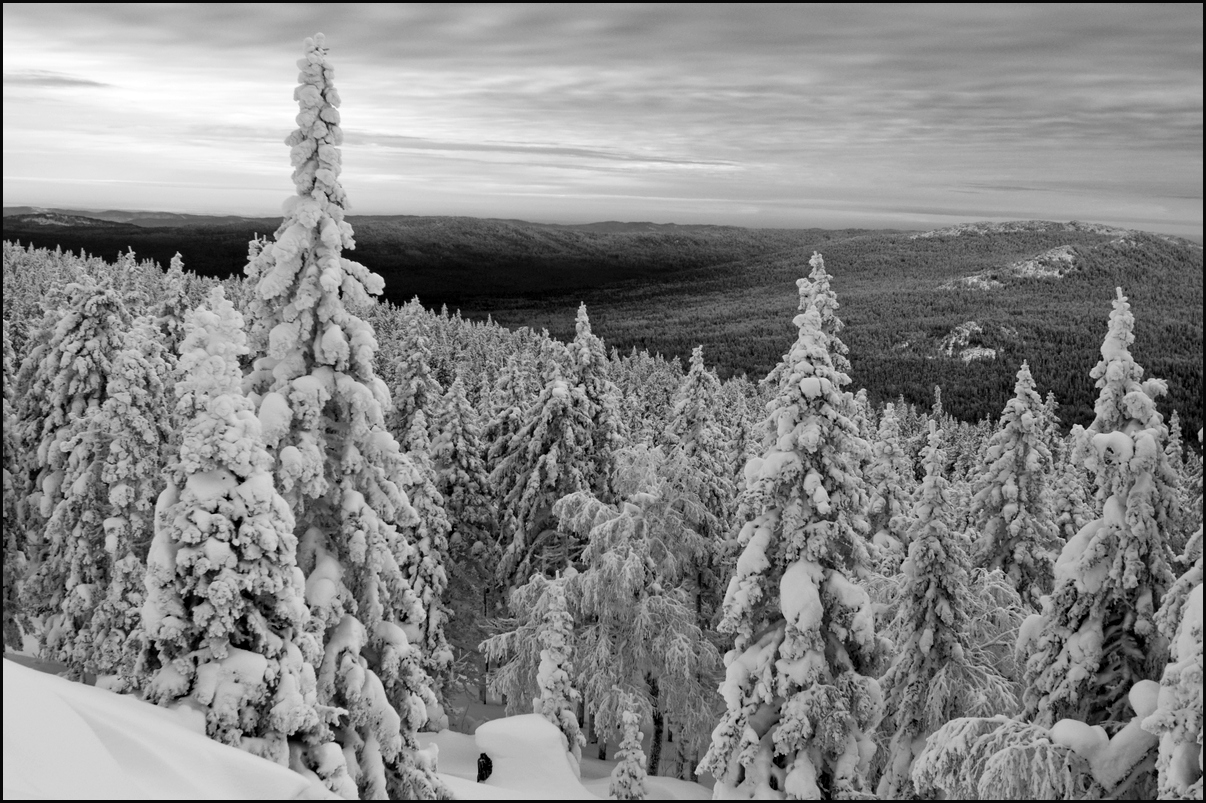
x=47, y=78
x=1056, y=110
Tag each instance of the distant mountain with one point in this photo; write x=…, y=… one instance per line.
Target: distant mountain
x=52, y=219
x=985, y=227
x=144, y=219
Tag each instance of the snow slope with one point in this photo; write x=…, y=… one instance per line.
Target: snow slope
x=70, y=740
x=65, y=740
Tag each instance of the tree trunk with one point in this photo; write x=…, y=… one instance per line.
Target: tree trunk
x=655, y=749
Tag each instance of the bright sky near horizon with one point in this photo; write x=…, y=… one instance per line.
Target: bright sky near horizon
x=909, y=116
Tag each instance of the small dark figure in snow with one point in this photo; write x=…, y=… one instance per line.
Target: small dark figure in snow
x=484, y=767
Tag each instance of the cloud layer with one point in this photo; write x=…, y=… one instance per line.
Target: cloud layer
x=756, y=115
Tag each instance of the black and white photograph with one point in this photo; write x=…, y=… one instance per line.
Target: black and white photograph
x=436, y=401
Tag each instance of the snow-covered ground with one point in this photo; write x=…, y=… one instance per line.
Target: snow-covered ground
x=71, y=740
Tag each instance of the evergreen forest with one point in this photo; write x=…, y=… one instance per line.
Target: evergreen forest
x=801, y=514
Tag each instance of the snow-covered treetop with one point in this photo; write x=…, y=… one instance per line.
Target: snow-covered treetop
x=815, y=290
x=1127, y=431
x=302, y=281
x=212, y=331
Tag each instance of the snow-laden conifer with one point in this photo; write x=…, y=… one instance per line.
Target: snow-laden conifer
x=694, y=435
x=935, y=676
x=802, y=700
x=133, y=425
x=173, y=307
x=461, y=479
x=551, y=456
x=425, y=567
x=1096, y=636
x=15, y=621
x=225, y=611
x=510, y=399
x=1183, y=520
x=889, y=483
x=1070, y=509
x=590, y=369
x=639, y=596
x=65, y=382
x=322, y=407
x=414, y=385
x=64, y=375
x=1010, y=506
x=995, y=758
x=558, y=700
x=826, y=302
x=628, y=776
x=460, y=471
x=1178, y=717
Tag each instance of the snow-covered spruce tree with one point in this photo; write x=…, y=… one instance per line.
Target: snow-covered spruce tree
x=639, y=601
x=628, y=776
x=694, y=435
x=1010, y=506
x=225, y=611
x=424, y=569
x=461, y=479
x=15, y=621
x=415, y=387
x=825, y=299
x=173, y=307
x=590, y=372
x=133, y=426
x=551, y=456
x=889, y=482
x=1178, y=718
x=1069, y=504
x=1183, y=520
x=460, y=472
x=558, y=700
x=63, y=376
x=1096, y=637
x=64, y=382
x=800, y=689
x=510, y=401
x=995, y=758
x=322, y=407
x=934, y=677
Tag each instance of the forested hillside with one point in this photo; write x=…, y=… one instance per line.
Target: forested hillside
x=666, y=289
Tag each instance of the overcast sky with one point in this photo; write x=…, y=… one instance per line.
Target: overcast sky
x=879, y=116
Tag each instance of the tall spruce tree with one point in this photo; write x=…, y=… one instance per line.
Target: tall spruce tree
x=133, y=426
x=558, y=698
x=1010, y=506
x=800, y=690
x=323, y=408
x=62, y=502
x=15, y=621
x=225, y=611
x=590, y=368
x=425, y=569
x=628, y=776
x=694, y=436
x=889, y=480
x=639, y=596
x=933, y=678
x=549, y=457
x=1096, y=636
